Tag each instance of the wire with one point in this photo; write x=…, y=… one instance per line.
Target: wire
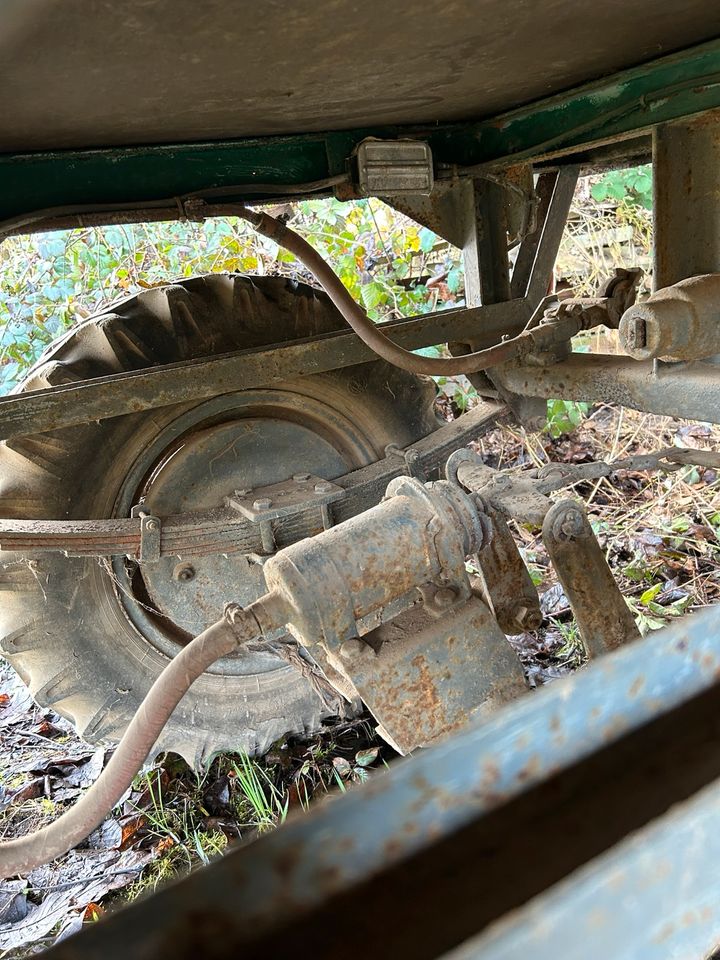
x=175, y=204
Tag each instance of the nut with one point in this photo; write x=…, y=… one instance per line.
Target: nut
x=445, y=597
x=151, y=524
x=355, y=649
x=184, y=572
x=262, y=503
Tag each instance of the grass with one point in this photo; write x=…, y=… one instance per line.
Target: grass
x=257, y=796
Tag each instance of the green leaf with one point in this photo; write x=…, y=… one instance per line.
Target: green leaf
x=427, y=240
x=365, y=758
x=342, y=767
x=680, y=524
x=372, y=294
x=649, y=595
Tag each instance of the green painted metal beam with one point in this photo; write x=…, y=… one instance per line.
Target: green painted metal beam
x=621, y=105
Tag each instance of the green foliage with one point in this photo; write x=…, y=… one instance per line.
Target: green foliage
x=632, y=186
x=52, y=280
x=259, y=801
x=564, y=415
x=650, y=615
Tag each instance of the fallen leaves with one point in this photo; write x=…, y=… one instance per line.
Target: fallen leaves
x=64, y=890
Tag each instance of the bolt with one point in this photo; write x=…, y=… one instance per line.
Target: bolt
x=301, y=477
x=569, y=525
x=445, y=597
x=262, y=504
x=323, y=487
x=151, y=524
x=184, y=571
x=355, y=649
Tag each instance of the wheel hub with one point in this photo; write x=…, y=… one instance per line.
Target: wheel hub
x=245, y=442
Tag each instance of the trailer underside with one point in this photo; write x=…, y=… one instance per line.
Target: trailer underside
x=474, y=128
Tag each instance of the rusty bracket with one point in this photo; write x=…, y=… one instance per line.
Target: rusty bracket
x=604, y=619
x=519, y=497
x=615, y=296
x=301, y=492
x=150, y=535
x=506, y=581
x=523, y=496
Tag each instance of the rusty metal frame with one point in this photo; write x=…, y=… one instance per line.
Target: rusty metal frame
x=69, y=404
x=687, y=390
x=686, y=212
x=110, y=396
x=478, y=826
x=131, y=178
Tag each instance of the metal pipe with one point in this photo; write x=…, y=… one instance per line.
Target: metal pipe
x=23, y=854
x=690, y=391
x=364, y=327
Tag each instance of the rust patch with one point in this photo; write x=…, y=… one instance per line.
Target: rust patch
x=286, y=862
x=530, y=770
x=490, y=774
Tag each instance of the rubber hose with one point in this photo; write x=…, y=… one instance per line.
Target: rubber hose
x=363, y=326
x=21, y=855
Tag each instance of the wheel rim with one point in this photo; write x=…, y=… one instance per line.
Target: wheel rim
x=241, y=440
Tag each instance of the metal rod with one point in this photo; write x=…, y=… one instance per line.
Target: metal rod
x=541, y=274
x=528, y=248
x=111, y=396
x=690, y=391
x=603, y=618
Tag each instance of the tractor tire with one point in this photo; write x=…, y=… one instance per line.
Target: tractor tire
x=89, y=636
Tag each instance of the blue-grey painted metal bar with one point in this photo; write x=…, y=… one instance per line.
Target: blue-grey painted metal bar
x=430, y=796
x=656, y=896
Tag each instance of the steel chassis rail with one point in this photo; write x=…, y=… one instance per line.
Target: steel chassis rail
x=433, y=851
x=626, y=104
x=63, y=406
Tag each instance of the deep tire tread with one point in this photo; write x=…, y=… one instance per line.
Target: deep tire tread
x=47, y=614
